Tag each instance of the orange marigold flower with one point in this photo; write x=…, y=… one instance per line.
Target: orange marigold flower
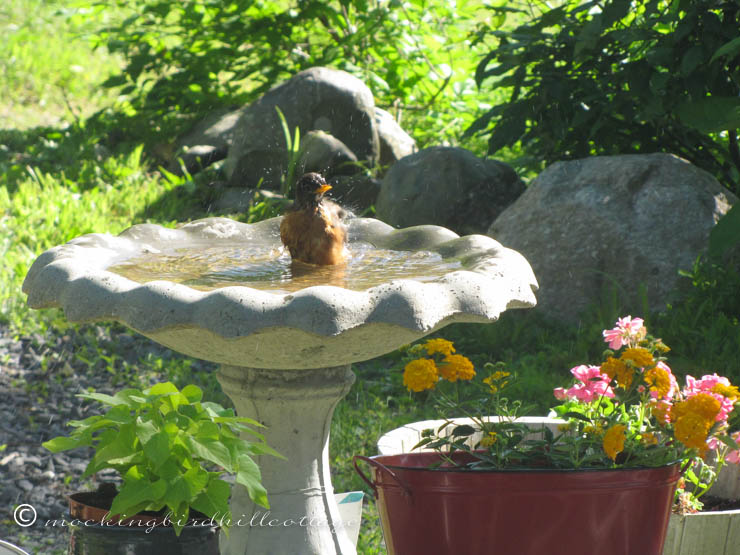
x=420, y=374
x=456, y=367
x=649, y=438
x=613, y=441
x=729, y=391
x=439, y=345
x=658, y=380
x=661, y=411
x=612, y=366
x=639, y=356
x=691, y=429
x=703, y=405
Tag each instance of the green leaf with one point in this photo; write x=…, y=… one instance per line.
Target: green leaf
x=577, y=416
x=213, y=501
x=213, y=451
x=250, y=477
x=101, y=398
x=726, y=233
x=157, y=448
x=164, y=388
x=731, y=48
x=117, y=444
x=134, y=492
x=711, y=114
x=463, y=430
x=693, y=58
x=63, y=443
x=193, y=393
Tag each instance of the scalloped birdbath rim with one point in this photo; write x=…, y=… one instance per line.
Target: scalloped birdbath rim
x=319, y=326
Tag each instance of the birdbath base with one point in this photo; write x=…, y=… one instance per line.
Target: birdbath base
x=296, y=406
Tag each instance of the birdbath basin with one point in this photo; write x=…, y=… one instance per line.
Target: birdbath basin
x=222, y=291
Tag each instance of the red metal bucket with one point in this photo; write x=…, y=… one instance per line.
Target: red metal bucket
x=531, y=512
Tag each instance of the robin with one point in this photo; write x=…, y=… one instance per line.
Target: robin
x=312, y=229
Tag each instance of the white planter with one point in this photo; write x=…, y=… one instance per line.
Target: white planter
x=712, y=532
x=403, y=439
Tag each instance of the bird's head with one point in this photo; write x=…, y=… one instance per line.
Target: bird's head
x=310, y=190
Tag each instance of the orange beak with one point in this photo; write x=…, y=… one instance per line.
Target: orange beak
x=322, y=189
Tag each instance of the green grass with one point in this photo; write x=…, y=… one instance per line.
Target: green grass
x=50, y=72
x=62, y=176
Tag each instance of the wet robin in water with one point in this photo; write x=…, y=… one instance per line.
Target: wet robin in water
x=312, y=229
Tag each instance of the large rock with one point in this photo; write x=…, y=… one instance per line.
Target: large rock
x=395, y=143
x=628, y=222
x=315, y=99
x=447, y=186
x=324, y=153
x=206, y=142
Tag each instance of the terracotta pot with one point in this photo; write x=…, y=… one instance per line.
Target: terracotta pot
x=142, y=534
x=529, y=512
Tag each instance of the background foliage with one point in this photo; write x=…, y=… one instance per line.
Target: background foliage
x=619, y=76
x=417, y=57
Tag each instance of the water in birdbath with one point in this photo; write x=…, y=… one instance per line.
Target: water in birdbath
x=270, y=268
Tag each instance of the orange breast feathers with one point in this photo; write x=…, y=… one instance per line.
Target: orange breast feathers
x=315, y=236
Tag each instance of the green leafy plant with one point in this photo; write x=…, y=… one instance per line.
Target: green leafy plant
x=627, y=412
x=184, y=58
x=617, y=77
x=171, y=449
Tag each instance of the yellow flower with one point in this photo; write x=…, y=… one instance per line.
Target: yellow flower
x=497, y=381
x=729, y=391
x=456, y=367
x=613, y=441
x=639, y=356
x=420, y=374
x=439, y=345
x=649, y=438
x=593, y=429
x=660, y=346
x=702, y=405
x=488, y=440
x=612, y=366
x=658, y=380
x=660, y=410
x=691, y=429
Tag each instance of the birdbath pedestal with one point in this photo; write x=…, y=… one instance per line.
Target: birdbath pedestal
x=284, y=355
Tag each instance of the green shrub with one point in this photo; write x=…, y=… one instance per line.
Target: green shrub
x=618, y=77
x=184, y=58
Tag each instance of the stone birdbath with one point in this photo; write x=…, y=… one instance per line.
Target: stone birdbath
x=224, y=291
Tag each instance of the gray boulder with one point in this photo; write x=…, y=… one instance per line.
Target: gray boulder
x=395, y=143
x=315, y=99
x=628, y=222
x=355, y=193
x=447, y=186
x=206, y=142
x=324, y=153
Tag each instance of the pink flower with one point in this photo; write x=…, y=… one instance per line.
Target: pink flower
x=734, y=456
x=706, y=385
x=593, y=384
x=626, y=328
x=560, y=393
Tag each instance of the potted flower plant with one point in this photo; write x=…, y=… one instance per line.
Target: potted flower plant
x=171, y=450
x=599, y=479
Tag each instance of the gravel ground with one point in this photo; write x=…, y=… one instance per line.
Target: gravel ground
x=39, y=378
